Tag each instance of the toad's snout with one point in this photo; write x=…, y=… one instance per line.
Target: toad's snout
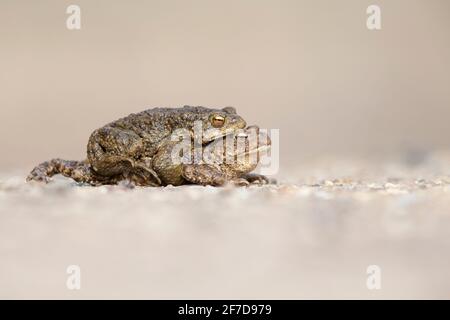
x=255, y=134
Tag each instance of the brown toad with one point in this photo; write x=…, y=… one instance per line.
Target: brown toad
x=140, y=148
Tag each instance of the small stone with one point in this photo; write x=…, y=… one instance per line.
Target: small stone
x=328, y=183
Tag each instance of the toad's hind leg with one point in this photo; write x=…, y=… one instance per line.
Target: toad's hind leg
x=111, y=150
x=77, y=170
x=116, y=153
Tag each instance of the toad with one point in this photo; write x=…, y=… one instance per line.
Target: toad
x=144, y=148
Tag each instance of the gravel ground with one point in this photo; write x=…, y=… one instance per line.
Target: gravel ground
x=311, y=236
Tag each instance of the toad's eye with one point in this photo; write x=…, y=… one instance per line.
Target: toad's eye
x=217, y=121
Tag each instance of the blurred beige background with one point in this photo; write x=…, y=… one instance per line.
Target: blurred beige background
x=309, y=68
x=338, y=93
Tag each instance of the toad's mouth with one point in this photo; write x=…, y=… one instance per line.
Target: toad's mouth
x=240, y=143
x=260, y=149
x=217, y=138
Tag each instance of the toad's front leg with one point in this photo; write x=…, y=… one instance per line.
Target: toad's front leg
x=203, y=174
x=173, y=166
x=206, y=174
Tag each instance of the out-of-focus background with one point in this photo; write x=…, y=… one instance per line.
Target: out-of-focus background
x=364, y=150
x=309, y=68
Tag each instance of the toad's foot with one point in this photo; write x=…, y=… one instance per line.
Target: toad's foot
x=142, y=175
x=258, y=179
x=77, y=170
x=252, y=179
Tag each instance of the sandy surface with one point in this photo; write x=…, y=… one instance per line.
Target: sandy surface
x=311, y=236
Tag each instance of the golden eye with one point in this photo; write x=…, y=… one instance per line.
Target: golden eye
x=217, y=121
